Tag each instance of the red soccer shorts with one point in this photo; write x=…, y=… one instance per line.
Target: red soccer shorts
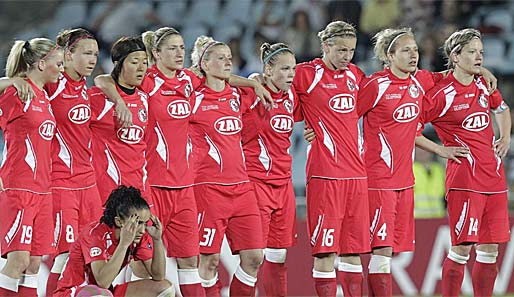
x=177, y=211
x=26, y=223
x=228, y=209
x=73, y=210
x=278, y=213
x=478, y=218
x=391, y=214
x=337, y=216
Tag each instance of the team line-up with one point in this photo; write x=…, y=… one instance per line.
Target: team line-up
x=160, y=161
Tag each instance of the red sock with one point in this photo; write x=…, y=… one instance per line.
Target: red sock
x=453, y=274
x=351, y=282
x=380, y=284
x=7, y=293
x=325, y=287
x=484, y=275
x=214, y=291
x=274, y=278
x=238, y=288
x=27, y=292
x=51, y=284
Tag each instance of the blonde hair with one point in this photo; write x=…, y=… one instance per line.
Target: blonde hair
x=154, y=39
x=456, y=42
x=202, y=49
x=385, y=42
x=270, y=52
x=337, y=29
x=24, y=54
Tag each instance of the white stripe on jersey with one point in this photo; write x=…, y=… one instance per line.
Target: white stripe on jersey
x=469, y=156
x=449, y=96
x=317, y=78
x=264, y=156
x=481, y=86
x=328, y=141
x=64, y=152
x=214, y=152
x=383, y=84
x=462, y=218
x=15, y=227
x=61, y=87
x=112, y=167
x=315, y=234
x=158, y=83
x=374, y=223
x=30, y=158
x=145, y=174
x=198, y=100
x=387, y=153
x=108, y=105
x=162, y=146
x=498, y=159
x=4, y=154
x=189, y=149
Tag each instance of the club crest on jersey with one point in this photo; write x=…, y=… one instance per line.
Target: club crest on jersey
x=413, y=91
x=84, y=94
x=47, y=130
x=188, y=89
x=131, y=135
x=1, y=112
x=288, y=105
x=482, y=101
x=179, y=109
x=142, y=115
x=282, y=123
x=406, y=112
x=95, y=251
x=234, y=105
x=79, y=114
x=342, y=103
x=350, y=84
x=475, y=122
x=228, y=125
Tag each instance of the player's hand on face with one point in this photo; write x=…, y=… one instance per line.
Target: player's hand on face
x=24, y=89
x=309, y=134
x=123, y=114
x=501, y=146
x=155, y=231
x=129, y=230
x=452, y=152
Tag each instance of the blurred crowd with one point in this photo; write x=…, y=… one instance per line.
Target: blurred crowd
x=245, y=24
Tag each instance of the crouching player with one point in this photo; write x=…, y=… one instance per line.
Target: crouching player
x=105, y=248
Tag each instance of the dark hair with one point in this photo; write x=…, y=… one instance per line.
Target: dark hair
x=121, y=203
x=69, y=38
x=121, y=49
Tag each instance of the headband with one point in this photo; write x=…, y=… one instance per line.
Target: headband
x=166, y=34
x=87, y=36
x=394, y=40
x=346, y=32
x=266, y=60
x=459, y=46
x=122, y=57
x=56, y=47
x=210, y=44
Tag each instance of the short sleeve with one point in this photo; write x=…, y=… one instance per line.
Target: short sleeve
x=368, y=94
x=93, y=248
x=248, y=99
x=11, y=106
x=496, y=102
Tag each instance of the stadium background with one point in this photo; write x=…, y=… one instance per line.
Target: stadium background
x=245, y=24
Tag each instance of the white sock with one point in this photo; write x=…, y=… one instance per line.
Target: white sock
x=244, y=277
x=9, y=283
x=321, y=274
x=347, y=267
x=485, y=257
x=379, y=264
x=188, y=276
x=29, y=281
x=207, y=283
x=457, y=258
x=59, y=263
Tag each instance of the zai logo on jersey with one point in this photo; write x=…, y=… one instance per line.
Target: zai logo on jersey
x=413, y=91
x=342, y=103
x=79, y=114
x=482, y=101
x=288, y=105
x=228, y=125
x=142, y=115
x=282, y=123
x=234, y=105
x=179, y=109
x=131, y=135
x=406, y=112
x=47, y=130
x=476, y=121
x=351, y=85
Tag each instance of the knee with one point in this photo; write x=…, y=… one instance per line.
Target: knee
x=19, y=263
x=210, y=262
x=462, y=250
x=252, y=258
x=164, y=288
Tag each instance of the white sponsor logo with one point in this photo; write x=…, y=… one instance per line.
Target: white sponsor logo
x=342, y=103
x=475, y=122
x=282, y=123
x=95, y=251
x=179, y=109
x=131, y=135
x=228, y=125
x=47, y=130
x=406, y=112
x=79, y=114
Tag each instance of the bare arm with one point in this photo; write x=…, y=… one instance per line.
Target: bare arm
x=502, y=145
x=157, y=265
x=447, y=152
x=108, y=86
x=259, y=89
x=25, y=91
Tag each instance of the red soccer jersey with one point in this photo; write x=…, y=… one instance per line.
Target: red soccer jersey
x=119, y=151
x=327, y=102
x=391, y=108
x=97, y=243
x=266, y=137
x=71, y=147
x=28, y=131
x=168, y=141
x=461, y=117
x=216, y=136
